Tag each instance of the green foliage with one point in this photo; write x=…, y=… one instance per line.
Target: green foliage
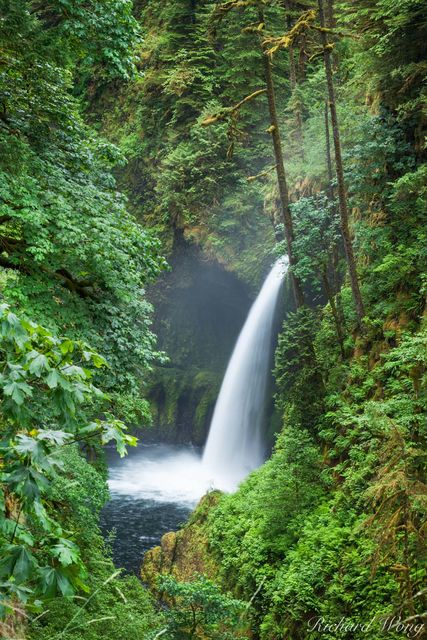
x=252, y=529
x=386, y=187
x=316, y=236
x=189, y=183
x=327, y=575
x=48, y=397
x=115, y=606
x=390, y=56
x=200, y=609
x=75, y=258
x=337, y=535
x=300, y=387
x=97, y=36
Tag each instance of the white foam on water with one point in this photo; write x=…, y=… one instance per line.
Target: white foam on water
x=160, y=473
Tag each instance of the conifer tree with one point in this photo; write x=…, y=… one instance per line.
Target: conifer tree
x=342, y=196
x=274, y=130
x=280, y=169
x=293, y=80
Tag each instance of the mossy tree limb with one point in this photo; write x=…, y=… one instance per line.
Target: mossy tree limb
x=229, y=112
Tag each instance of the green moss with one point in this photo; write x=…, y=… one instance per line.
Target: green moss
x=184, y=553
x=182, y=402
x=205, y=392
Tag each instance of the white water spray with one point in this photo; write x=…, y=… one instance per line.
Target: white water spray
x=235, y=444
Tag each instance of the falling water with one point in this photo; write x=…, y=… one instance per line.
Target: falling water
x=235, y=444
x=154, y=489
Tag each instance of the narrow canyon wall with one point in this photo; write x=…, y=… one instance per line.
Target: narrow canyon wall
x=200, y=309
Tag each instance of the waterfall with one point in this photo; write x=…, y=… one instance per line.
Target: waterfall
x=163, y=482
x=235, y=444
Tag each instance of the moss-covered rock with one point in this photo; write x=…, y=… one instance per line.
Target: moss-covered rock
x=184, y=553
x=182, y=403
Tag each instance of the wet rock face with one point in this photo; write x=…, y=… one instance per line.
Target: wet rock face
x=184, y=553
x=182, y=403
x=200, y=308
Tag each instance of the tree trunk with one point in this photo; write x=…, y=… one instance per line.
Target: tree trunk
x=193, y=8
x=293, y=82
x=330, y=14
x=342, y=198
x=281, y=175
x=331, y=23
x=331, y=195
x=334, y=310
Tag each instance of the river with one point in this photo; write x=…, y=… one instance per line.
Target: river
x=153, y=490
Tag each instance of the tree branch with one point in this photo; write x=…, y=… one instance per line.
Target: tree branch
x=223, y=114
